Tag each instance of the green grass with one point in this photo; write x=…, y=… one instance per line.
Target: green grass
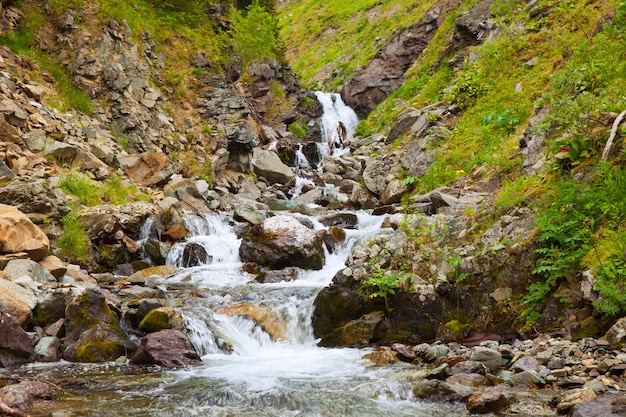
x=74, y=242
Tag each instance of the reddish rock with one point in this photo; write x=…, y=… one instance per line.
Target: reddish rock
x=16, y=346
x=169, y=348
x=489, y=400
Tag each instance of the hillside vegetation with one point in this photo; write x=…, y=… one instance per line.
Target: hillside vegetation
x=553, y=72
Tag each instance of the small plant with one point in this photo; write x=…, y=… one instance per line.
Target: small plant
x=383, y=285
x=74, y=242
x=299, y=129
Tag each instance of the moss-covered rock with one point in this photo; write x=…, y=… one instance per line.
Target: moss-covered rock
x=93, y=331
x=161, y=318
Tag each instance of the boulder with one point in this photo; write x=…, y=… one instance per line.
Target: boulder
x=35, y=198
x=54, y=265
x=488, y=400
x=20, y=397
x=51, y=305
x=343, y=220
x=616, y=335
x=17, y=301
x=161, y=318
x=93, y=332
x=609, y=405
x=491, y=358
x=19, y=234
x=282, y=241
x=377, y=174
x=16, y=346
x=147, y=169
x=247, y=213
x=574, y=397
x=195, y=254
x=140, y=277
x=169, y=348
x=48, y=349
x=267, y=164
x=368, y=328
x=18, y=268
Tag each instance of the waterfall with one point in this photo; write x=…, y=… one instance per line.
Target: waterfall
x=337, y=124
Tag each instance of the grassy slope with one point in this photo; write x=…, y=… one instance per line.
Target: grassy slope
x=562, y=60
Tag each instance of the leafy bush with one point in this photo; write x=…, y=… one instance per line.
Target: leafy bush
x=579, y=220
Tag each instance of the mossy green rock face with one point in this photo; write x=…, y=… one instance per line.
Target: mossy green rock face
x=93, y=332
x=160, y=319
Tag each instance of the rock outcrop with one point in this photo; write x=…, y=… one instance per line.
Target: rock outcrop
x=282, y=241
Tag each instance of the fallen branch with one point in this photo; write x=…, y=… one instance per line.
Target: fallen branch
x=609, y=142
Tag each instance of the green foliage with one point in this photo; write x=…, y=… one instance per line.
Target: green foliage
x=507, y=119
x=299, y=129
x=517, y=192
x=583, y=226
x=254, y=34
x=467, y=88
x=381, y=284
x=88, y=191
x=74, y=242
x=573, y=151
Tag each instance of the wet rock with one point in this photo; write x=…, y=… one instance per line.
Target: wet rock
x=19, y=234
x=382, y=355
x=273, y=276
x=48, y=349
x=282, y=241
x=369, y=327
x=262, y=316
x=247, y=212
x=21, y=396
x=488, y=400
x=16, y=346
x=161, y=318
x=343, y=220
x=157, y=250
x=93, y=332
x=195, y=254
x=432, y=388
x=404, y=352
x=574, y=397
x=140, y=276
x=169, y=348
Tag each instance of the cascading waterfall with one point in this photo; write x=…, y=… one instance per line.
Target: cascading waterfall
x=256, y=340
x=337, y=124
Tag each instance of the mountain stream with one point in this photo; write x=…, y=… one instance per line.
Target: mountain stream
x=256, y=341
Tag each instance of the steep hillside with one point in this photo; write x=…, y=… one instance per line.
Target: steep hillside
x=526, y=93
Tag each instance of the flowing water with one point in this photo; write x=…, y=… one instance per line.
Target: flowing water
x=260, y=356
x=256, y=341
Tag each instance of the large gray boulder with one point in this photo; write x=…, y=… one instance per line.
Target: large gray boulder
x=267, y=164
x=282, y=241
